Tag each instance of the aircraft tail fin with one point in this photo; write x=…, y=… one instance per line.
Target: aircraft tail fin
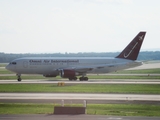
x=132, y=50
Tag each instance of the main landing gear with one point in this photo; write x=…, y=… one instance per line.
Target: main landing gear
x=81, y=78
x=72, y=78
x=19, y=77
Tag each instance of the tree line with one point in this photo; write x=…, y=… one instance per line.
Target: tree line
x=145, y=55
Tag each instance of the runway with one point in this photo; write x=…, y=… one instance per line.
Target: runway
x=149, y=65
x=92, y=81
x=72, y=117
x=79, y=96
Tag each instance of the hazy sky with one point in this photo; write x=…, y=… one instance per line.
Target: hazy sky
x=51, y=26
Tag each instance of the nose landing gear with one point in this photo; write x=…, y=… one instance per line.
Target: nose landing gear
x=19, y=77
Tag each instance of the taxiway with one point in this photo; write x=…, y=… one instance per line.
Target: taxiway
x=72, y=117
x=91, y=81
x=79, y=96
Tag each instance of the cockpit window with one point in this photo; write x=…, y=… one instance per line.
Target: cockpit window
x=14, y=63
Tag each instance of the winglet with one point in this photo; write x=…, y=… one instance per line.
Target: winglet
x=132, y=50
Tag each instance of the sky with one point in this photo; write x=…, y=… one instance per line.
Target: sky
x=72, y=26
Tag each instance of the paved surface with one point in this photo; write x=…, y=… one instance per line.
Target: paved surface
x=150, y=65
x=79, y=96
x=96, y=81
x=70, y=101
x=72, y=117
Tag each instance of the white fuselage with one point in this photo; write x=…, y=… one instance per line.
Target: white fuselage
x=50, y=66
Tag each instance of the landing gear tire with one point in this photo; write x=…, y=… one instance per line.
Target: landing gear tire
x=86, y=78
x=19, y=77
x=72, y=78
x=83, y=78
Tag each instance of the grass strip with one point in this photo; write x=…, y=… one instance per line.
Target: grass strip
x=143, y=71
x=123, y=110
x=83, y=88
x=89, y=76
x=23, y=77
x=146, y=71
x=92, y=109
x=3, y=64
x=4, y=71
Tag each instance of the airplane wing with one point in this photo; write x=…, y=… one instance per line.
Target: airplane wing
x=88, y=68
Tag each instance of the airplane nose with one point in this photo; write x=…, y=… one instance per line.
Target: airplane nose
x=7, y=67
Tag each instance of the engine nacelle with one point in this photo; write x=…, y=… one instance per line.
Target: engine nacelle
x=68, y=73
x=53, y=74
x=49, y=75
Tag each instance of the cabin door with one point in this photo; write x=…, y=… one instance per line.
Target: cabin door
x=25, y=64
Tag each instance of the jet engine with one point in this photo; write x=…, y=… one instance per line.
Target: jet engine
x=68, y=73
x=49, y=75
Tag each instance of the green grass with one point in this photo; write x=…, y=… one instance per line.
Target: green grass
x=92, y=109
x=3, y=64
x=143, y=71
x=18, y=108
x=147, y=76
x=82, y=88
x=122, y=77
x=23, y=77
x=4, y=71
x=124, y=109
x=89, y=76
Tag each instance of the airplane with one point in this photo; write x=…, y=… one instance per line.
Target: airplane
x=71, y=67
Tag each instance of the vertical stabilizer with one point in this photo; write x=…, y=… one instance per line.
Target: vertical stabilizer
x=132, y=50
